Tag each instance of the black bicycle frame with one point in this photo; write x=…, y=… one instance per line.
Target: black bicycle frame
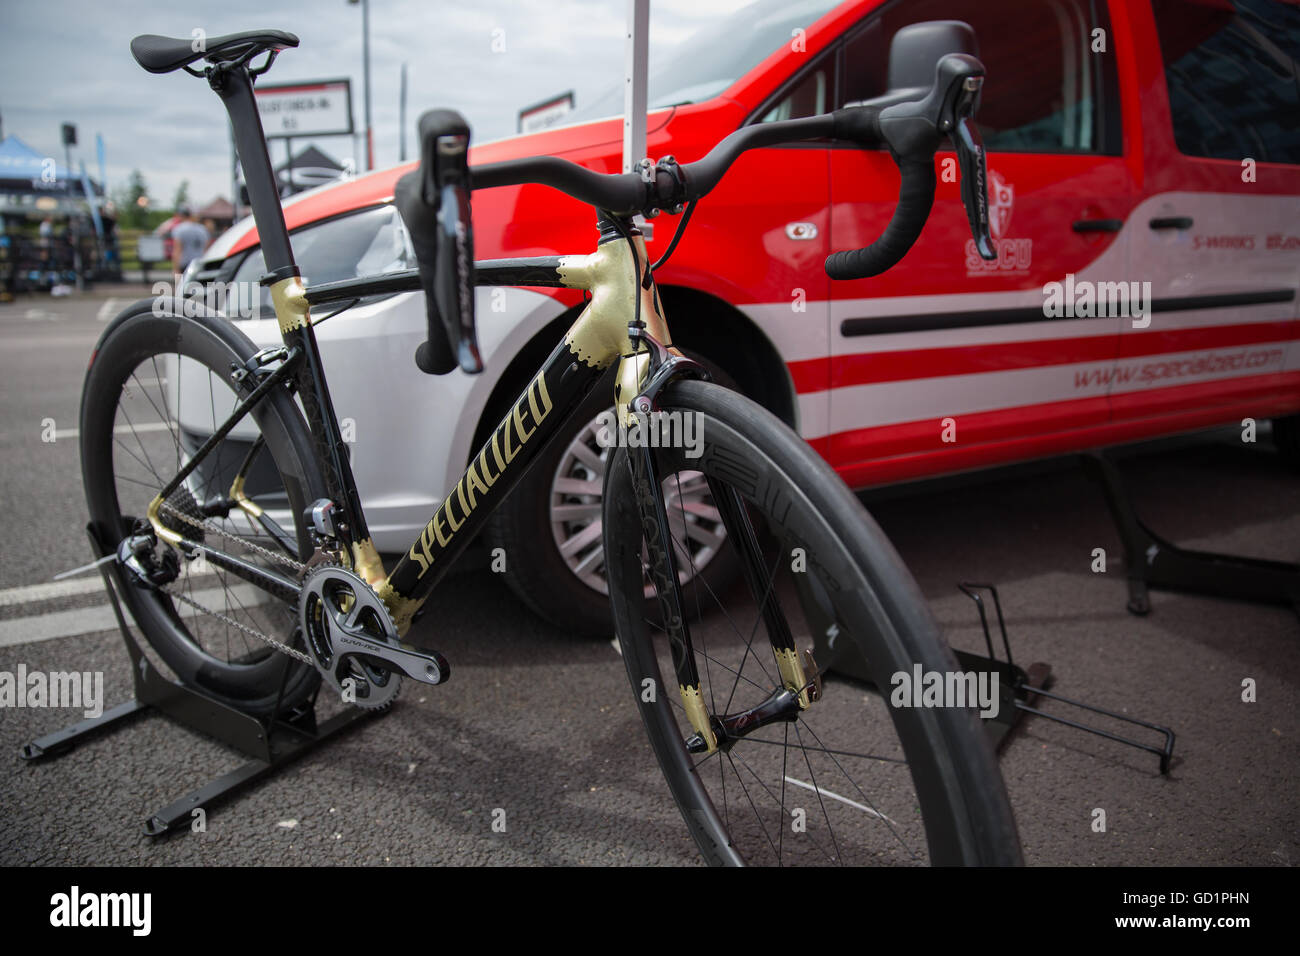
x=602, y=336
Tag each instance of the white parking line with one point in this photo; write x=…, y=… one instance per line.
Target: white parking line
x=107, y=310
x=48, y=627
x=32, y=593
x=119, y=430
x=41, y=315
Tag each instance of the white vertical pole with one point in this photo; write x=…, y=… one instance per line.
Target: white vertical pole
x=634, y=90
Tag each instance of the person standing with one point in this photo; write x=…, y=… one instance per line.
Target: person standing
x=189, y=239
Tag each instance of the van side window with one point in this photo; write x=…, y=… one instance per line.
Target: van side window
x=811, y=95
x=1231, y=69
x=1052, y=85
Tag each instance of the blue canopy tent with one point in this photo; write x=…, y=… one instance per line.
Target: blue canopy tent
x=23, y=169
x=34, y=186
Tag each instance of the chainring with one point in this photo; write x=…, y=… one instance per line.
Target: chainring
x=337, y=603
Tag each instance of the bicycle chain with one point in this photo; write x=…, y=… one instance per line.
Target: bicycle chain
x=297, y=566
x=252, y=632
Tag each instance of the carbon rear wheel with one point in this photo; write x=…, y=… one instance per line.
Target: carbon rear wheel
x=850, y=780
x=158, y=386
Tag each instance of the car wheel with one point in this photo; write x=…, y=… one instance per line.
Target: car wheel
x=549, y=528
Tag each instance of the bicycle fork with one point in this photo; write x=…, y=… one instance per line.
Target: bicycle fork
x=712, y=732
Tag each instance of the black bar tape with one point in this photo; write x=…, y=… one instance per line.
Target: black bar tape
x=620, y=194
x=915, y=198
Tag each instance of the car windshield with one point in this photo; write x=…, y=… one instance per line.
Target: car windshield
x=713, y=58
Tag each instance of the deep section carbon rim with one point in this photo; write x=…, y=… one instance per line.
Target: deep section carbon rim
x=157, y=390
x=851, y=781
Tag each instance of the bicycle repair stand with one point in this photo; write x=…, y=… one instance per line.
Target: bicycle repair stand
x=269, y=742
x=1152, y=562
x=1018, y=690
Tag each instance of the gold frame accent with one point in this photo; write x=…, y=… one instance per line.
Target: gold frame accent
x=599, y=335
x=160, y=529
x=366, y=562
x=402, y=608
x=792, y=674
x=238, y=497
x=698, y=715
x=289, y=296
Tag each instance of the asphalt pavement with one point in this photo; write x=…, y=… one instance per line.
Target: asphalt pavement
x=539, y=729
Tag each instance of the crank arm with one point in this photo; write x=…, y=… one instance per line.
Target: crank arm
x=428, y=667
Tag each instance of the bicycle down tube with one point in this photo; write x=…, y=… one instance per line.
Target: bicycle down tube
x=597, y=339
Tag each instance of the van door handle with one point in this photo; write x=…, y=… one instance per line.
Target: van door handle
x=1172, y=222
x=1098, y=225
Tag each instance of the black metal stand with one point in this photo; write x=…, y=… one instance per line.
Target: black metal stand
x=269, y=742
x=1152, y=562
x=1018, y=689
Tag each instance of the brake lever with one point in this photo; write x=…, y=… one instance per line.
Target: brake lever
x=454, y=263
x=965, y=137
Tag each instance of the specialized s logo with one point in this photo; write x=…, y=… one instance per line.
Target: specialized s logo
x=519, y=425
x=1014, y=255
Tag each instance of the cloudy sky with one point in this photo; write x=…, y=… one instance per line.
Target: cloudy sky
x=69, y=61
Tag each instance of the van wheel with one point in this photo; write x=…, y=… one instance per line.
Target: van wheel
x=1286, y=438
x=550, y=530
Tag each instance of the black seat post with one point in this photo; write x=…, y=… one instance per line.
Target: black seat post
x=234, y=85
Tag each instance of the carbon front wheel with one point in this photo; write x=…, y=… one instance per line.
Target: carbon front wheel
x=850, y=779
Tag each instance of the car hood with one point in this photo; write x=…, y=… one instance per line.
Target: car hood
x=335, y=199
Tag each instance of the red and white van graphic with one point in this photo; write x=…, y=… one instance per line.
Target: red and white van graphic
x=1122, y=148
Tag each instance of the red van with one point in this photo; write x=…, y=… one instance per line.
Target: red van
x=1144, y=178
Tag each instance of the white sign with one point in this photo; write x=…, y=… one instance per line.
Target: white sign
x=321, y=108
x=545, y=114
x=150, y=249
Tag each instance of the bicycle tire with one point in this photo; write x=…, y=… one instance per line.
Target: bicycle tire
x=956, y=787
x=250, y=676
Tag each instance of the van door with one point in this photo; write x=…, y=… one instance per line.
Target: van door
x=1217, y=231
x=948, y=361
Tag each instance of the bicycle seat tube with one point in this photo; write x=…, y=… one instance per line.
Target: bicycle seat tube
x=234, y=84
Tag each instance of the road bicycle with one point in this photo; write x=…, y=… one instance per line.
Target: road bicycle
x=220, y=476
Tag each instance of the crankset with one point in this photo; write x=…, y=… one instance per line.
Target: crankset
x=353, y=641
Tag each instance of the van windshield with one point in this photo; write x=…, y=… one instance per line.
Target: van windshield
x=713, y=58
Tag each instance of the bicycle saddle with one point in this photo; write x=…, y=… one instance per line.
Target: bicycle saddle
x=165, y=54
